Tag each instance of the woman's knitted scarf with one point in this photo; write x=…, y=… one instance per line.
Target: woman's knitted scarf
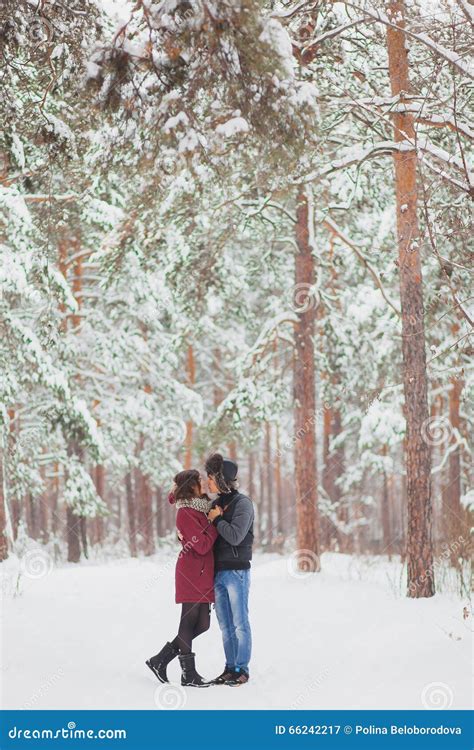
x=201, y=504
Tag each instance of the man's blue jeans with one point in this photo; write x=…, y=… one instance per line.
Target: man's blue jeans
x=232, y=609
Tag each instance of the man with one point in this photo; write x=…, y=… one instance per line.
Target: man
x=233, y=516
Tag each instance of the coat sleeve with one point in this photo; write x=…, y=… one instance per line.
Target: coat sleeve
x=198, y=535
x=235, y=531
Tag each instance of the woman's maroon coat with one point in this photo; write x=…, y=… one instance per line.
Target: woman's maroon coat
x=195, y=566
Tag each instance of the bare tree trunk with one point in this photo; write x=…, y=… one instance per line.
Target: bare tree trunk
x=160, y=516
x=251, y=477
x=437, y=451
x=232, y=450
x=188, y=444
x=261, y=506
x=269, y=481
x=305, y=394
x=54, y=500
x=327, y=478
x=458, y=528
x=386, y=523
x=30, y=514
x=43, y=510
x=73, y=535
x=72, y=520
x=99, y=481
x=3, y=509
x=132, y=532
x=170, y=517
x=255, y=496
x=418, y=459
x=16, y=516
x=83, y=530
x=280, y=525
x=146, y=516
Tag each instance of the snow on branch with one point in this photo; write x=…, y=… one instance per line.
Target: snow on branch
x=356, y=155
x=452, y=57
x=338, y=232
x=267, y=337
x=468, y=10
x=308, y=52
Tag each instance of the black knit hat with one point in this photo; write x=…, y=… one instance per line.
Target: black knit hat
x=224, y=471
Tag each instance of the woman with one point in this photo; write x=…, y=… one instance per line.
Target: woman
x=194, y=577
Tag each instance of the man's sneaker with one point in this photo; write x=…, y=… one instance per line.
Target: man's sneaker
x=226, y=675
x=239, y=677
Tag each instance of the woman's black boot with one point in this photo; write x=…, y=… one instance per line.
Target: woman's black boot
x=159, y=662
x=190, y=678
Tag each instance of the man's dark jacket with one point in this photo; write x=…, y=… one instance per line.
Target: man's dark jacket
x=233, y=546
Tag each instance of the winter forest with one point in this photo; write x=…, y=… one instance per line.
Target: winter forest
x=241, y=226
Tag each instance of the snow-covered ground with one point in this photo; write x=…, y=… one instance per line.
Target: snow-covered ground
x=78, y=637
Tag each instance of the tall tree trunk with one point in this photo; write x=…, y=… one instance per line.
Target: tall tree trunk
x=73, y=535
x=457, y=525
x=188, y=443
x=305, y=392
x=232, y=448
x=251, y=475
x=83, y=530
x=170, y=517
x=332, y=471
x=118, y=498
x=99, y=481
x=132, y=529
x=327, y=477
x=386, y=521
x=437, y=488
x=30, y=513
x=43, y=509
x=280, y=524
x=3, y=504
x=418, y=459
x=261, y=506
x=252, y=493
x=269, y=482
x=54, y=500
x=146, y=516
x=160, y=516
x=72, y=520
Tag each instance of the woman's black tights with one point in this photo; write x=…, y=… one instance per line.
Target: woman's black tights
x=195, y=619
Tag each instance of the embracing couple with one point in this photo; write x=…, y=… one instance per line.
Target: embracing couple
x=213, y=566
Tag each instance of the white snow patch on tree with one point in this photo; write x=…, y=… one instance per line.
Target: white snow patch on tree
x=232, y=127
x=276, y=36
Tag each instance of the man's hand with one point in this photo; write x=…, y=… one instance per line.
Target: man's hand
x=214, y=512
